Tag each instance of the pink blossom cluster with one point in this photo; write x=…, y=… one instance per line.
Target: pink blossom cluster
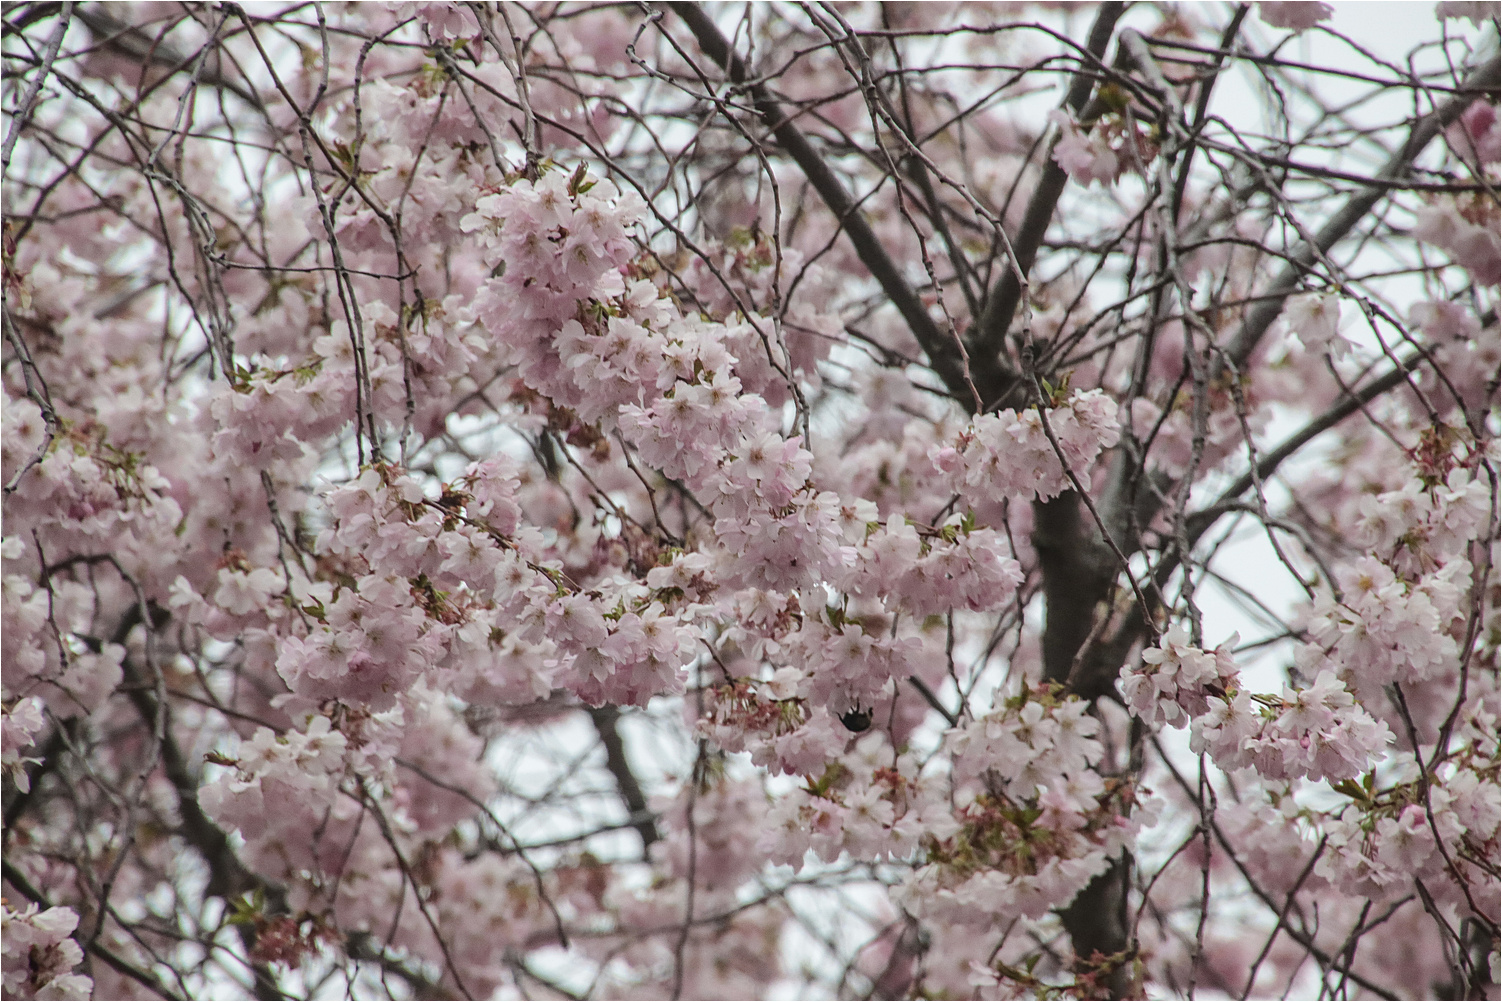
x=1386, y=628
x=277, y=789
x=1316, y=730
x=870, y=802
x=19, y=726
x=1294, y=14
x=1475, y=137
x=1424, y=523
x=959, y=567
x=1465, y=228
x=1314, y=318
x=1477, y=11
x=1175, y=680
x=556, y=244
x=90, y=493
x=629, y=654
x=46, y=653
x=604, y=349
x=1035, y=821
x=746, y=275
x=40, y=954
x=444, y=20
x=1378, y=852
x=847, y=662
x=1085, y=154
x=1009, y=453
x=348, y=662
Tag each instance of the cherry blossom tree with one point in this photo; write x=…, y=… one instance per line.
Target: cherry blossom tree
x=561, y=500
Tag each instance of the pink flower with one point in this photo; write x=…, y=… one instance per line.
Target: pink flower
x=1478, y=11
x=1474, y=136
x=1293, y=14
x=1314, y=319
x=1085, y=156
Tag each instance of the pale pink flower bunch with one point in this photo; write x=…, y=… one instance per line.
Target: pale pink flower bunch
x=479, y=933
x=631, y=652
x=997, y=894
x=1085, y=155
x=1009, y=453
x=1038, y=820
x=267, y=420
x=1374, y=859
x=1030, y=743
x=1444, y=320
x=90, y=495
x=959, y=567
x=1315, y=730
x=278, y=790
x=738, y=279
x=727, y=818
x=40, y=954
x=1297, y=15
x=22, y=431
x=440, y=581
x=745, y=715
x=371, y=643
x=1466, y=229
x=1474, y=137
x=677, y=399
x=775, y=720
x=28, y=656
x=1314, y=318
x=1269, y=831
x=43, y=638
x=843, y=663
x=791, y=546
x=436, y=743
x=698, y=421
x=1175, y=680
x=1318, y=730
x=1429, y=523
x=444, y=20
x=19, y=726
x=557, y=244
x=433, y=350
x=869, y=802
x=1385, y=840
x=1386, y=628
x=1477, y=11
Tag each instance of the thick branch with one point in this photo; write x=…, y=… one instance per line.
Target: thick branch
x=1077, y=574
x=605, y=718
